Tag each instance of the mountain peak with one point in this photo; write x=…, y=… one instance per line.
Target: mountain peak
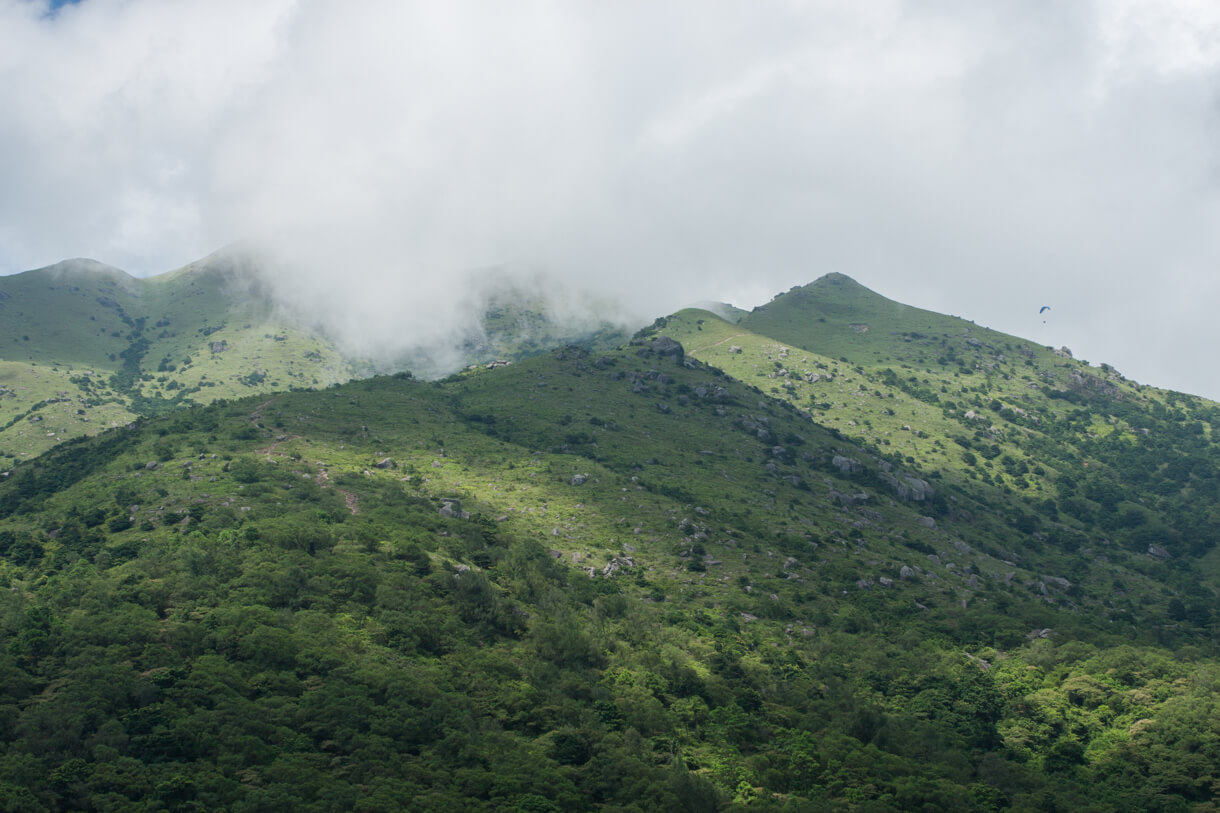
x=829, y=292
x=81, y=265
x=836, y=284
x=834, y=278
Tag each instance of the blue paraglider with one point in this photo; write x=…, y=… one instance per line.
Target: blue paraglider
x=1043, y=310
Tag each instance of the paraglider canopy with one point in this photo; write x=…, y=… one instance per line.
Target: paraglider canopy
x=1043, y=310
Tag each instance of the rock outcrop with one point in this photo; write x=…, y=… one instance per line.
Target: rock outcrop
x=846, y=465
x=667, y=348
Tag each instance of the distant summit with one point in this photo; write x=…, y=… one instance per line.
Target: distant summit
x=834, y=279
x=80, y=266
x=724, y=310
x=830, y=287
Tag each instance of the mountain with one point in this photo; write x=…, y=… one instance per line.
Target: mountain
x=1086, y=465
x=917, y=566
x=91, y=347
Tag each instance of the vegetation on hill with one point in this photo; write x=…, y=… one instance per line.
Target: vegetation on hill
x=1091, y=468
x=92, y=348
x=628, y=580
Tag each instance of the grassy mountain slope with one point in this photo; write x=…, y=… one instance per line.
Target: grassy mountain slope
x=67, y=311
x=842, y=318
x=620, y=580
x=92, y=347
x=1083, y=458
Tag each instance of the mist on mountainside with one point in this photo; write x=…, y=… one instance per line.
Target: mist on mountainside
x=432, y=324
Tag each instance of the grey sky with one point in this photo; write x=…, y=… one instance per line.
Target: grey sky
x=980, y=159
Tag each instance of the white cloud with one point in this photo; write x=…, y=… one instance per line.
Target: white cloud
x=982, y=159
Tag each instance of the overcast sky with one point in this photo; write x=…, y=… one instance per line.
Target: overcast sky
x=976, y=158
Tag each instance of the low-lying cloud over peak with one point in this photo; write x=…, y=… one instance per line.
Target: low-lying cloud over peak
x=980, y=159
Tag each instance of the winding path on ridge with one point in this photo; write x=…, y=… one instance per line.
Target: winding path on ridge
x=715, y=344
x=350, y=500
x=257, y=414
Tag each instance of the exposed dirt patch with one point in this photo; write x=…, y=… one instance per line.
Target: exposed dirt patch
x=350, y=500
x=257, y=414
x=271, y=450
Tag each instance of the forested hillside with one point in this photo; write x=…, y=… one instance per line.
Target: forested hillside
x=627, y=580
